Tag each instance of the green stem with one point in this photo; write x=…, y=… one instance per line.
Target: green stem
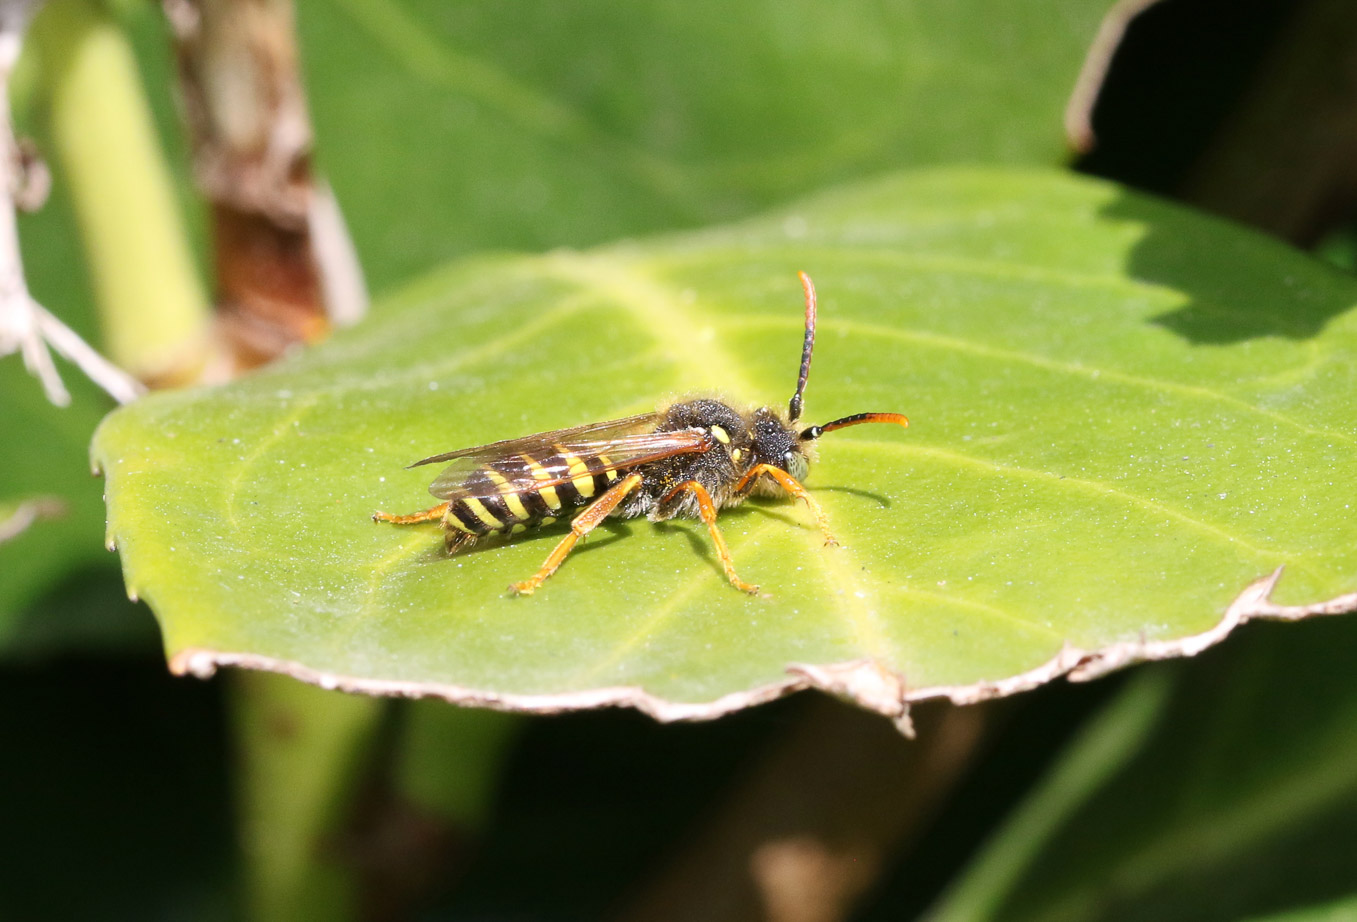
x=152, y=303
x=451, y=759
x=300, y=749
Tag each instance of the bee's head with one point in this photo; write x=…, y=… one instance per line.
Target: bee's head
x=776, y=442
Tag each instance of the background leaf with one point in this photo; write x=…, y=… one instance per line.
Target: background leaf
x=1082, y=470
x=1237, y=799
x=449, y=128
x=44, y=451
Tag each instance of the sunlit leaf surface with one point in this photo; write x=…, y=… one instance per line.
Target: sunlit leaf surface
x=1123, y=414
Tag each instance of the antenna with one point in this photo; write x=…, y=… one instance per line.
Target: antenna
x=857, y=419
x=794, y=408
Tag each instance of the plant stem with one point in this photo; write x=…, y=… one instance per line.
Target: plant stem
x=152, y=305
x=300, y=748
x=285, y=269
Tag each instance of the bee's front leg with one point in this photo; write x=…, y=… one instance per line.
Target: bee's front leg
x=792, y=486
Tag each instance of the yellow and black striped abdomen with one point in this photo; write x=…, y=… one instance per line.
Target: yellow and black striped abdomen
x=509, y=495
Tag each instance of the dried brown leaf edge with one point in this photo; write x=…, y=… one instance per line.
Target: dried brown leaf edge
x=864, y=682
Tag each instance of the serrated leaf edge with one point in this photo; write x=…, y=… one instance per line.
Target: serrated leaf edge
x=1078, y=665
x=865, y=682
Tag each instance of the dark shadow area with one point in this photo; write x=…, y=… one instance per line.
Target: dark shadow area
x=1288, y=685
x=1235, y=292
x=593, y=805
x=880, y=500
x=789, y=515
x=86, y=613
x=698, y=541
x=1182, y=68
x=592, y=802
x=608, y=532
x=1028, y=734
x=116, y=802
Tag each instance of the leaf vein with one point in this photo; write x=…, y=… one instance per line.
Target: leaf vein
x=304, y=406
x=1091, y=486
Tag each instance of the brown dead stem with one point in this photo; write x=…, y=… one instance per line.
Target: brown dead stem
x=281, y=279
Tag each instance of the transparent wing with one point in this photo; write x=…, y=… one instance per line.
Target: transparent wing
x=535, y=442
x=549, y=459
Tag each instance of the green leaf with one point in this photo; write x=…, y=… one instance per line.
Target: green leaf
x=447, y=129
x=1341, y=910
x=59, y=587
x=1101, y=748
x=1123, y=413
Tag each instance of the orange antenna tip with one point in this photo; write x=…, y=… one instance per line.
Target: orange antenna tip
x=857, y=419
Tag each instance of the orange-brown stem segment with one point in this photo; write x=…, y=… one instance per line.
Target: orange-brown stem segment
x=582, y=524
x=792, y=486
x=707, y=509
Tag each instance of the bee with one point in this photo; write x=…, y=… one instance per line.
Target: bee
x=690, y=458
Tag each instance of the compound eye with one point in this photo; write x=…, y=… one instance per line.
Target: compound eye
x=788, y=457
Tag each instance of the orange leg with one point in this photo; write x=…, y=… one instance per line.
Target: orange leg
x=583, y=523
x=414, y=518
x=792, y=486
x=707, y=508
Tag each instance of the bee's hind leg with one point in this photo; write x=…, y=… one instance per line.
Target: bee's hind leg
x=582, y=524
x=707, y=509
x=428, y=515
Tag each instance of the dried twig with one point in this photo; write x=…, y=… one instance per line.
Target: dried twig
x=25, y=327
x=26, y=513
x=286, y=270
